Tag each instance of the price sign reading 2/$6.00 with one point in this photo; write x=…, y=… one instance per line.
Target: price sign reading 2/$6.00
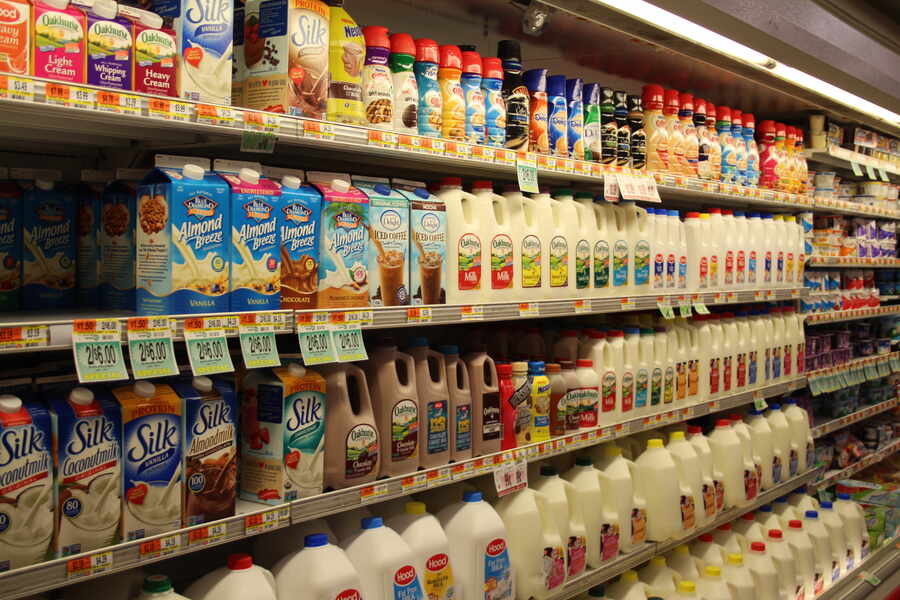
x=150, y=347
x=97, y=346
x=207, y=345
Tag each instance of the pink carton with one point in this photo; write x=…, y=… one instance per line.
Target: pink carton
x=59, y=41
x=155, y=54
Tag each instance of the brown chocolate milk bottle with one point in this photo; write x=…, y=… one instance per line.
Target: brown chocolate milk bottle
x=434, y=402
x=460, y=404
x=392, y=382
x=487, y=427
x=352, y=446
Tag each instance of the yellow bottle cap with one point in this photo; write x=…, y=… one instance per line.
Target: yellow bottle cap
x=630, y=576
x=415, y=508
x=659, y=561
x=654, y=443
x=682, y=549
x=736, y=559
x=612, y=450
x=676, y=435
x=713, y=571
x=685, y=586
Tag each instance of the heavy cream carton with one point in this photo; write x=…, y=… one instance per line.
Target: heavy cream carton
x=282, y=434
x=87, y=436
x=388, y=243
x=209, y=426
x=428, y=247
x=183, y=245
x=26, y=483
x=118, y=229
x=152, y=448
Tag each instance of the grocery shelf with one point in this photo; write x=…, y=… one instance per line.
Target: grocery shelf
x=853, y=261
x=254, y=519
x=851, y=315
x=859, y=369
x=53, y=330
x=854, y=417
x=857, y=584
x=832, y=477
x=841, y=158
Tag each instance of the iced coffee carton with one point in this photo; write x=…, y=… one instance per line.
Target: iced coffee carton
x=59, y=41
x=155, y=53
x=388, y=243
x=109, y=46
x=118, y=215
x=26, y=473
x=286, y=56
x=282, y=434
x=343, y=242
x=209, y=426
x=87, y=434
x=15, y=45
x=151, y=459
x=183, y=227
x=428, y=247
x=11, y=214
x=255, y=239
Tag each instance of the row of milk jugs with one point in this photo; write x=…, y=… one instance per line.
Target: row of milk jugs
x=792, y=549
x=686, y=361
x=516, y=247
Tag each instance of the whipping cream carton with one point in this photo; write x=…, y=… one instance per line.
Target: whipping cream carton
x=151, y=459
x=183, y=256
x=109, y=46
x=388, y=243
x=428, y=248
x=26, y=483
x=255, y=238
x=11, y=214
x=87, y=438
x=118, y=215
x=204, y=32
x=58, y=38
x=282, y=434
x=89, y=198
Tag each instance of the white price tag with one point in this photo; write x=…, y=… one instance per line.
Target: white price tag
x=511, y=475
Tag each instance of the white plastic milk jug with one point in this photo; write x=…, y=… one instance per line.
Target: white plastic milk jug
x=789, y=581
x=239, y=580
x=711, y=585
x=838, y=537
x=737, y=577
x=157, y=587
x=660, y=579
x=628, y=587
x=854, y=526
x=762, y=569
x=385, y=563
x=683, y=563
x=565, y=505
x=690, y=476
x=805, y=556
x=655, y=478
x=320, y=571
x=600, y=520
x=467, y=251
x=728, y=459
x=617, y=485
x=798, y=420
x=431, y=551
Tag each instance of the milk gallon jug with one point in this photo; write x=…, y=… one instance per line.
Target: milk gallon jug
x=805, y=556
x=478, y=548
x=713, y=486
x=727, y=539
x=385, y=563
x=854, y=526
x=784, y=449
x=158, y=587
x=690, y=476
x=467, y=255
x=617, y=485
x=239, y=580
x=838, y=537
x=431, y=550
x=801, y=438
x=564, y=504
x=737, y=577
x=320, y=571
x=681, y=561
x=268, y=550
x=711, y=586
x=751, y=461
x=728, y=459
x=748, y=530
x=708, y=551
x=656, y=479
x=789, y=583
x=762, y=570
x=460, y=404
x=628, y=587
x=660, y=579
x=434, y=402
x=600, y=520
x=825, y=562
x=352, y=445
x=536, y=549
x=391, y=376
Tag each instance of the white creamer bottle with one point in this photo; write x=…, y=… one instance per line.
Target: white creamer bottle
x=323, y=571
x=601, y=524
x=434, y=401
x=468, y=266
x=430, y=549
x=655, y=478
x=728, y=459
x=384, y=561
x=392, y=382
x=502, y=251
x=564, y=504
x=239, y=580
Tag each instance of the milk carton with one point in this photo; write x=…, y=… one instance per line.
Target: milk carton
x=50, y=249
x=428, y=250
x=117, y=241
x=89, y=196
x=26, y=470
x=286, y=56
x=343, y=243
x=109, y=47
x=203, y=29
x=301, y=207
x=15, y=45
x=183, y=258
x=58, y=41
x=209, y=426
x=87, y=434
x=11, y=213
x=151, y=459
x=255, y=242
x=155, y=55
x=283, y=441
x=389, y=243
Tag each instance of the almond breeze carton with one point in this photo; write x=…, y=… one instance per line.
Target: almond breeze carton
x=388, y=243
x=183, y=256
x=58, y=38
x=50, y=246
x=255, y=239
x=109, y=46
x=343, y=242
x=11, y=215
x=118, y=215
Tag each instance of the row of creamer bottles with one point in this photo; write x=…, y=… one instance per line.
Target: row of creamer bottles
x=571, y=245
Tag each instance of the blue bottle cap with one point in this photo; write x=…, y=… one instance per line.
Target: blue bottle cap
x=449, y=349
x=372, y=522
x=382, y=189
x=471, y=496
x=556, y=85
x=315, y=540
x=421, y=193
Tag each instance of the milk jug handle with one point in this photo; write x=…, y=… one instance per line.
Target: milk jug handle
x=269, y=578
x=410, y=362
x=365, y=400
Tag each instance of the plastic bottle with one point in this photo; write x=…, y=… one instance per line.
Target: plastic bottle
x=698, y=249
x=384, y=561
x=669, y=391
x=478, y=547
x=801, y=437
x=737, y=577
x=353, y=448
x=628, y=587
x=623, y=129
x=729, y=342
x=644, y=372
x=540, y=401
x=728, y=255
x=158, y=587
x=619, y=494
x=601, y=523
x=763, y=571
x=728, y=459
x=755, y=257
x=677, y=162
x=740, y=245
x=790, y=583
x=826, y=562
x=557, y=400
x=521, y=401
x=655, y=478
x=453, y=112
x=725, y=537
x=323, y=571
x=377, y=84
x=740, y=147
x=431, y=103
x=752, y=467
x=681, y=561
x=655, y=130
x=591, y=102
x=460, y=409
x=515, y=96
x=538, y=134
x=557, y=116
x=712, y=491
x=397, y=411
x=638, y=135
x=689, y=131
x=726, y=141
x=768, y=155
x=430, y=548
x=494, y=104
x=434, y=400
x=586, y=394
x=708, y=551
x=715, y=146
x=659, y=578
x=784, y=448
x=575, y=115
x=239, y=580
x=507, y=409
x=564, y=504
x=704, y=166
x=753, y=169
x=715, y=228
x=405, y=87
x=840, y=550
x=854, y=527
x=470, y=83
x=748, y=530
x=803, y=501
x=467, y=251
x=629, y=371
x=503, y=235
x=711, y=585
x=804, y=555
x=487, y=406
x=786, y=512
x=690, y=475
x=764, y=447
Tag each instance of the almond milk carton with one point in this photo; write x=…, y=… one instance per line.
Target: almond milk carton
x=117, y=240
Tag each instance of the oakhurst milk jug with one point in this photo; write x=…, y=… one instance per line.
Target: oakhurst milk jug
x=425, y=536
x=321, y=570
x=502, y=251
x=580, y=235
x=392, y=383
x=601, y=524
x=564, y=504
x=434, y=404
x=384, y=561
x=460, y=409
x=239, y=580
x=533, y=248
x=599, y=241
x=486, y=413
x=478, y=548
x=467, y=253
x=352, y=444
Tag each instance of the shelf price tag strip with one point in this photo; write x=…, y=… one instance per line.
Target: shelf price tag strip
x=346, y=335
x=159, y=547
x=89, y=566
x=207, y=345
x=97, y=346
x=257, y=335
x=150, y=348
x=18, y=338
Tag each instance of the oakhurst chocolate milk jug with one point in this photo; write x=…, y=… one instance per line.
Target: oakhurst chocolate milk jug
x=434, y=401
x=460, y=404
x=485, y=388
x=352, y=453
x=392, y=382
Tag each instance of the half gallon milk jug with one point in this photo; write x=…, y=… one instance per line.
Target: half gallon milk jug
x=644, y=373
x=825, y=562
x=434, y=402
x=611, y=369
x=629, y=371
x=536, y=550
x=502, y=252
x=728, y=539
x=425, y=537
x=737, y=577
x=562, y=248
x=713, y=487
x=729, y=352
x=486, y=412
x=698, y=251
x=751, y=461
x=564, y=504
x=638, y=225
x=617, y=485
x=621, y=238
x=460, y=404
x=155, y=587
x=478, y=548
x=801, y=437
x=660, y=579
x=762, y=570
x=729, y=460
x=239, y=580
x=528, y=218
x=580, y=252
x=783, y=447
x=385, y=563
x=656, y=479
x=352, y=445
x=789, y=582
x=320, y=571
x=764, y=447
x=711, y=585
x=392, y=381
x=804, y=555
x=681, y=561
x=600, y=519
x=839, y=547
x=628, y=587
x=468, y=266
x=854, y=527
x=690, y=475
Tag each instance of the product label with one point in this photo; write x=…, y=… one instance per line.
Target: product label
x=437, y=427
x=681, y=380
x=627, y=391
x=609, y=541
x=659, y=271
x=776, y=469
x=638, y=525
x=767, y=268
x=620, y=263
x=810, y=455
x=726, y=374
x=682, y=272
x=709, y=500
x=559, y=262
x=406, y=584
x=687, y=512
x=576, y=553
x=538, y=136
x=801, y=358
x=59, y=43
x=793, y=463
x=741, y=373
x=669, y=386
x=670, y=271
x=751, y=267
x=587, y=399
x=641, y=389
x=768, y=365
x=404, y=430
x=389, y=229
x=463, y=439
x=361, y=449
x=50, y=249
x=495, y=112
x=540, y=408
x=601, y=264
x=751, y=367
x=703, y=281
x=553, y=566
x=776, y=362
x=531, y=262
x=501, y=262
x=155, y=57
x=377, y=87
x=491, y=426
x=779, y=268
x=521, y=403
x=656, y=385
x=109, y=47
x=788, y=363
x=714, y=270
x=729, y=267
x=475, y=107
x=693, y=377
x=582, y=264
x=498, y=581
x=720, y=494
x=714, y=376
x=740, y=274
x=438, y=578
x=789, y=267
x=557, y=126
x=608, y=393
x=469, y=262
x=750, y=484
x=641, y=262
x=573, y=410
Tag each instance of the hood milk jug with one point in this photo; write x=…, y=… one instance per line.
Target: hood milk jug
x=425, y=537
x=283, y=434
x=87, y=431
x=27, y=475
x=389, y=244
x=385, y=563
x=152, y=459
x=392, y=380
x=428, y=249
x=434, y=402
x=352, y=445
x=320, y=569
x=239, y=580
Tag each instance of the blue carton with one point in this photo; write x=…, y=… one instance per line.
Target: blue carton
x=49, y=247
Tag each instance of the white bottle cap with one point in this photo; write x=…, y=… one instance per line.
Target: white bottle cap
x=290, y=181
x=106, y=9
x=296, y=369
x=81, y=395
x=151, y=19
x=145, y=389
x=44, y=184
x=10, y=403
x=251, y=176
x=192, y=171
x=202, y=384
x=340, y=185
x=58, y=4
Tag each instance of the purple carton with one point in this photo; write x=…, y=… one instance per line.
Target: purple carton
x=109, y=46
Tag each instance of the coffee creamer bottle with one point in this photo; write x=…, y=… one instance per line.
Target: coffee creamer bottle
x=688, y=129
x=609, y=132
x=575, y=133
x=515, y=96
x=677, y=161
x=431, y=104
x=346, y=55
x=740, y=147
x=453, y=112
x=557, y=116
x=474, y=97
x=494, y=104
x=352, y=445
x=715, y=147
x=404, y=85
x=623, y=129
x=521, y=401
x=726, y=141
x=391, y=376
x=538, y=133
x=638, y=135
x=591, y=103
x=377, y=81
x=655, y=129
x=704, y=166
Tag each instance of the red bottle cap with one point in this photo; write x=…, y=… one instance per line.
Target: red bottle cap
x=653, y=97
x=758, y=546
x=715, y=211
x=596, y=334
x=699, y=106
x=483, y=185
x=735, y=116
x=767, y=127
x=735, y=417
x=779, y=129
x=705, y=537
x=504, y=369
x=729, y=315
x=749, y=121
x=239, y=562
x=492, y=67
x=584, y=362
x=723, y=113
x=377, y=36
x=791, y=133
x=451, y=57
x=710, y=110
x=402, y=43
x=724, y=527
x=795, y=524
x=692, y=215
x=694, y=429
x=775, y=534
x=451, y=182
x=748, y=516
x=569, y=333
x=671, y=101
x=471, y=62
x=686, y=100
x=723, y=423
x=615, y=333
x=727, y=211
x=427, y=50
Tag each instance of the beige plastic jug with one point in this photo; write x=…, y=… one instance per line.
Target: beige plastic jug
x=460, y=404
x=392, y=383
x=434, y=402
x=486, y=421
x=352, y=452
